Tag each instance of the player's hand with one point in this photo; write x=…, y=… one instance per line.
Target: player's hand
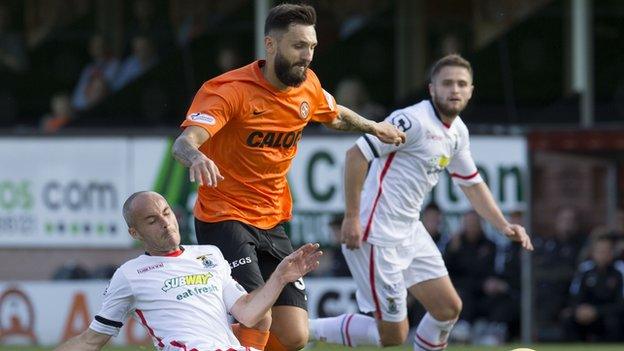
x=299, y=263
x=389, y=133
x=517, y=233
x=204, y=171
x=351, y=233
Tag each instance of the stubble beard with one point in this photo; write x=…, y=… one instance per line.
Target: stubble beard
x=446, y=110
x=283, y=71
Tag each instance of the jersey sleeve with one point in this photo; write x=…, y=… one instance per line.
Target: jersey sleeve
x=118, y=301
x=212, y=107
x=232, y=290
x=372, y=147
x=462, y=167
x=326, y=107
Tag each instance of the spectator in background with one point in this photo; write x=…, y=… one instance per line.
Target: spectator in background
x=450, y=44
x=469, y=258
x=554, y=261
x=618, y=98
x=97, y=77
x=143, y=57
x=352, y=93
x=433, y=220
x=146, y=23
x=228, y=58
x=339, y=266
x=191, y=18
x=61, y=113
x=333, y=263
x=596, y=299
x=501, y=301
x=71, y=270
x=618, y=233
x=12, y=53
x=46, y=19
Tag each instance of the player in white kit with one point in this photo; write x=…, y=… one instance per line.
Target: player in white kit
x=387, y=248
x=182, y=295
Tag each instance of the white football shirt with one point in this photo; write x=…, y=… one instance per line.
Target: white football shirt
x=182, y=301
x=400, y=177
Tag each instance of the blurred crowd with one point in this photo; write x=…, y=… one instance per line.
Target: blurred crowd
x=80, y=54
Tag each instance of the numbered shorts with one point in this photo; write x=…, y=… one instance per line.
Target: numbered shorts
x=253, y=255
x=383, y=274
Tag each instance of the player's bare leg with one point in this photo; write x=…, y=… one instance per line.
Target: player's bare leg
x=392, y=333
x=440, y=299
x=290, y=327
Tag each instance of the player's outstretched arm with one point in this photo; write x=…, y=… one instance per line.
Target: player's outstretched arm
x=251, y=308
x=483, y=202
x=89, y=340
x=356, y=167
x=186, y=150
x=349, y=120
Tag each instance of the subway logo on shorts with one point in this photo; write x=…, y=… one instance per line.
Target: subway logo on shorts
x=193, y=279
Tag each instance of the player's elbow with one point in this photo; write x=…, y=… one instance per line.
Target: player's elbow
x=259, y=322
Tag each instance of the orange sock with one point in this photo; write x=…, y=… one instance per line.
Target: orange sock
x=273, y=344
x=250, y=337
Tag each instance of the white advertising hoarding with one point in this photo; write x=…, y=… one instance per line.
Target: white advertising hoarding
x=63, y=192
x=68, y=192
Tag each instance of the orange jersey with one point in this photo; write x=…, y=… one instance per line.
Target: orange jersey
x=254, y=131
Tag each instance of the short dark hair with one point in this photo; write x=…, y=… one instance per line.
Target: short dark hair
x=449, y=60
x=281, y=16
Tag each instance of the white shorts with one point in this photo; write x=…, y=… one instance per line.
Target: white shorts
x=383, y=273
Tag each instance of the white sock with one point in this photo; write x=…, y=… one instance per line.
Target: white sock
x=347, y=329
x=432, y=334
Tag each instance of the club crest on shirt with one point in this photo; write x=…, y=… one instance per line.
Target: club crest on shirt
x=304, y=110
x=437, y=164
x=207, y=262
x=402, y=122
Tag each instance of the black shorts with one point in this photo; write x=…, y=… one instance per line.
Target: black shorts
x=253, y=254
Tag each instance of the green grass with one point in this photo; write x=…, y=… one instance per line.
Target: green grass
x=323, y=347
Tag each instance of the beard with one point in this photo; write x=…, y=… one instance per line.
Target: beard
x=284, y=71
x=446, y=109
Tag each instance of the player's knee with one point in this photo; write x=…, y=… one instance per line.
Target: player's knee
x=450, y=311
x=454, y=309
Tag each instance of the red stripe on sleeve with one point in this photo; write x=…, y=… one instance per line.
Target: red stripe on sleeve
x=464, y=177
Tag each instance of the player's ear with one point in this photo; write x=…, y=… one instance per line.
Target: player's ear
x=431, y=89
x=133, y=233
x=269, y=44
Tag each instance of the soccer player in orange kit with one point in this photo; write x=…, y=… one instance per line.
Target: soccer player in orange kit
x=240, y=136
